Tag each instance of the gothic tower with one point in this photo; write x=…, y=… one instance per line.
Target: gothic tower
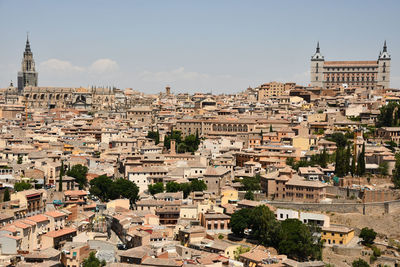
x=317, y=64
x=384, y=68
x=28, y=75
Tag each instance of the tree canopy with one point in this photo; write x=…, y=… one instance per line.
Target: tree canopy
x=360, y=263
x=368, y=236
x=79, y=173
x=155, y=135
x=389, y=115
x=21, y=186
x=298, y=241
x=106, y=189
x=155, y=188
x=240, y=221
x=6, y=196
x=92, y=261
x=189, y=144
x=290, y=237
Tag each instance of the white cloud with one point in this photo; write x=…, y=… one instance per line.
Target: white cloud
x=103, y=65
x=57, y=65
x=176, y=75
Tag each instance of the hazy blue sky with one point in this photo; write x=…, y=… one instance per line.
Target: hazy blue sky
x=216, y=45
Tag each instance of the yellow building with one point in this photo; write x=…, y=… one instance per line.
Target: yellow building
x=228, y=194
x=303, y=143
x=337, y=235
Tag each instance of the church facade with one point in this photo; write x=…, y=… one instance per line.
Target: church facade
x=31, y=95
x=369, y=74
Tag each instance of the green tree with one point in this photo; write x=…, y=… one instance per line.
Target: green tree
x=173, y=187
x=360, y=263
x=197, y=185
x=251, y=183
x=6, y=196
x=323, y=159
x=21, y=186
x=384, y=168
x=182, y=148
x=60, y=180
x=270, y=128
x=175, y=135
x=298, y=242
x=347, y=160
x=240, y=250
x=125, y=189
x=361, y=162
x=264, y=226
x=92, y=261
x=249, y=195
x=389, y=115
x=79, y=172
x=339, y=139
x=368, y=236
x=240, y=221
x=340, y=168
x=191, y=143
x=353, y=165
x=19, y=160
x=290, y=162
x=186, y=189
x=396, y=172
x=100, y=187
x=155, y=136
x=155, y=188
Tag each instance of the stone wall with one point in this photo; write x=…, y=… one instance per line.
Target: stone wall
x=375, y=208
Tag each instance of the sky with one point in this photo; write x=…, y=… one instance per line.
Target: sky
x=218, y=46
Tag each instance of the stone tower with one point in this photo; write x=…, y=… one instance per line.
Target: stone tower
x=28, y=75
x=317, y=64
x=384, y=68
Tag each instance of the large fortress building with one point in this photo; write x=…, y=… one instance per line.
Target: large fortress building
x=369, y=74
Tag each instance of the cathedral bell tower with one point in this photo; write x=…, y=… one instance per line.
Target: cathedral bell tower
x=384, y=68
x=28, y=75
x=317, y=64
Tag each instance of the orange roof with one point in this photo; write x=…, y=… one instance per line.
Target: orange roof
x=28, y=222
x=9, y=228
x=21, y=225
x=38, y=218
x=55, y=214
x=58, y=233
x=75, y=193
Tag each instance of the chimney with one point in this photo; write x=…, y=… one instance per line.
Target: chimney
x=173, y=151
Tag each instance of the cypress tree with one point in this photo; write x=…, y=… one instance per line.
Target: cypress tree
x=348, y=156
x=323, y=159
x=6, y=196
x=157, y=141
x=361, y=162
x=60, y=181
x=337, y=162
x=353, y=165
x=270, y=128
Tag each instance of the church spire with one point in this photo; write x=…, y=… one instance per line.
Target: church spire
x=384, y=47
x=317, y=51
x=27, y=45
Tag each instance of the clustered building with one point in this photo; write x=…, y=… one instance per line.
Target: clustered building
x=126, y=134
